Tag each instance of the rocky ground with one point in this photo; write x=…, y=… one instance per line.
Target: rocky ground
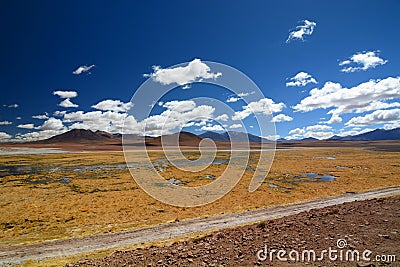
x=372, y=224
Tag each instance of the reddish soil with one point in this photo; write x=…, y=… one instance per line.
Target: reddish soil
x=370, y=224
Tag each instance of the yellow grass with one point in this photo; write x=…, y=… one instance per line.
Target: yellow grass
x=98, y=201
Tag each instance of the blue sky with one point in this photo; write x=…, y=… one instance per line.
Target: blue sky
x=347, y=51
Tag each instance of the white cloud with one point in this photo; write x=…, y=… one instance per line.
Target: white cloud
x=213, y=128
x=177, y=114
x=26, y=126
x=319, y=135
x=171, y=119
x=233, y=99
x=246, y=94
x=66, y=94
x=4, y=137
x=67, y=103
x=113, y=105
x=301, y=79
x=5, y=122
x=272, y=137
x=335, y=118
x=281, y=117
x=180, y=106
x=34, y=136
x=306, y=29
x=297, y=131
x=97, y=120
x=376, y=117
x=52, y=124
x=354, y=131
x=41, y=117
x=83, y=69
x=362, y=61
x=11, y=106
x=18, y=118
x=59, y=113
x=318, y=128
x=314, y=131
x=194, y=71
x=223, y=117
x=391, y=126
x=364, y=97
x=235, y=126
x=265, y=105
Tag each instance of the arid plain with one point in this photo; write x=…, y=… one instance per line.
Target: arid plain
x=59, y=196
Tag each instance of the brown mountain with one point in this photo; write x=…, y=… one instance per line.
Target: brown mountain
x=185, y=139
x=81, y=136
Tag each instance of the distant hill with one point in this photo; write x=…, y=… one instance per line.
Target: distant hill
x=185, y=139
x=190, y=139
x=234, y=136
x=375, y=135
x=80, y=135
x=309, y=139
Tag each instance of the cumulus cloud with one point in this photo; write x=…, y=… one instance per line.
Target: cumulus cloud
x=5, y=122
x=376, y=117
x=65, y=94
x=4, y=137
x=301, y=79
x=313, y=131
x=52, y=124
x=180, y=106
x=391, y=126
x=272, y=137
x=318, y=128
x=362, y=61
x=223, y=117
x=178, y=114
x=235, y=126
x=307, y=28
x=194, y=71
x=41, y=117
x=82, y=69
x=97, y=120
x=34, y=136
x=213, y=128
x=265, y=105
x=281, y=117
x=176, y=117
x=26, y=126
x=364, y=97
x=67, y=103
x=113, y=105
x=354, y=131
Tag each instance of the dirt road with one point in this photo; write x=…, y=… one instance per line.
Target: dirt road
x=61, y=248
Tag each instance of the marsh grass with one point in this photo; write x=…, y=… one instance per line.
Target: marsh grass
x=38, y=207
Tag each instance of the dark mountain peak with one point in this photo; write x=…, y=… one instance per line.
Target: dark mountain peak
x=79, y=135
x=374, y=135
x=309, y=139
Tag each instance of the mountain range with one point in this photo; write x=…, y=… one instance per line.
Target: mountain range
x=186, y=138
